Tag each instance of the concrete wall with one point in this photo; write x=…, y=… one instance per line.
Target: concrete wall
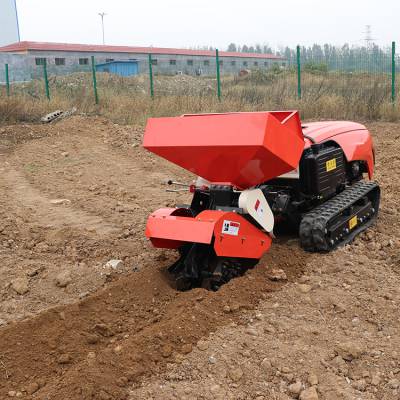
x=23, y=67
x=20, y=67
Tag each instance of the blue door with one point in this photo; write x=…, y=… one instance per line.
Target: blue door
x=126, y=68
x=122, y=68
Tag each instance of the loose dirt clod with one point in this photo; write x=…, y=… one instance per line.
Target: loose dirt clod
x=349, y=350
x=313, y=379
x=277, y=274
x=295, y=388
x=20, y=285
x=235, y=373
x=64, y=359
x=304, y=288
x=57, y=202
x=309, y=394
x=63, y=279
x=202, y=345
x=32, y=388
x=167, y=351
x=186, y=348
x=115, y=264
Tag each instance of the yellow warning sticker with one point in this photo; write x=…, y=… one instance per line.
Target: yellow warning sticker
x=331, y=164
x=353, y=222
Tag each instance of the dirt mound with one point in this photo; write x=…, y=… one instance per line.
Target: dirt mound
x=134, y=326
x=77, y=193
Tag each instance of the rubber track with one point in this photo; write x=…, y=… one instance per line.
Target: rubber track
x=314, y=223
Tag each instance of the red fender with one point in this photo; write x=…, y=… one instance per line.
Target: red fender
x=357, y=146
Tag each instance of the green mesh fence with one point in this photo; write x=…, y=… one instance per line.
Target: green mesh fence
x=346, y=81
x=323, y=82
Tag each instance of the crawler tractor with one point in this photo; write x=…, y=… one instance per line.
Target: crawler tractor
x=257, y=170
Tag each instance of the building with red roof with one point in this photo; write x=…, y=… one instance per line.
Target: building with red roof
x=68, y=57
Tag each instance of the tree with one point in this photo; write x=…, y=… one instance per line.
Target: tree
x=267, y=49
x=290, y=55
x=232, y=47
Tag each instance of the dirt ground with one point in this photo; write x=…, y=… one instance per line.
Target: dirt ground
x=76, y=194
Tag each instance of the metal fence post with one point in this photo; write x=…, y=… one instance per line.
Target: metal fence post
x=7, y=81
x=393, y=72
x=46, y=80
x=218, y=75
x=298, y=72
x=96, y=96
x=151, y=76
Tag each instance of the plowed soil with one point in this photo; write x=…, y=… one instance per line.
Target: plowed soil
x=76, y=194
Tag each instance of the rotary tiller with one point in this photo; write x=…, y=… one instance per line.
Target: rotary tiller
x=256, y=170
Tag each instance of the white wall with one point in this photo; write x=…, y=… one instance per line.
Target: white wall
x=9, y=32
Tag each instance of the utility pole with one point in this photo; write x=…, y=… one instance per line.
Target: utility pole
x=102, y=14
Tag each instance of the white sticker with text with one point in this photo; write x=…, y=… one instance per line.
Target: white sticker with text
x=230, y=227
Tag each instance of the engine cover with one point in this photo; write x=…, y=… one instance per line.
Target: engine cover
x=322, y=171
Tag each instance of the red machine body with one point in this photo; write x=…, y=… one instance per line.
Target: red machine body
x=250, y=153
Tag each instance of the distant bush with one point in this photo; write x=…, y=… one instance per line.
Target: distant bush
x=276, y=69
x=315, y=67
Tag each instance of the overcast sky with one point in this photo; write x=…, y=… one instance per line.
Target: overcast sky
x=186, y=23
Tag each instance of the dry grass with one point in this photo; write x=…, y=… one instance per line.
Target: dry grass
x=126, y=100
